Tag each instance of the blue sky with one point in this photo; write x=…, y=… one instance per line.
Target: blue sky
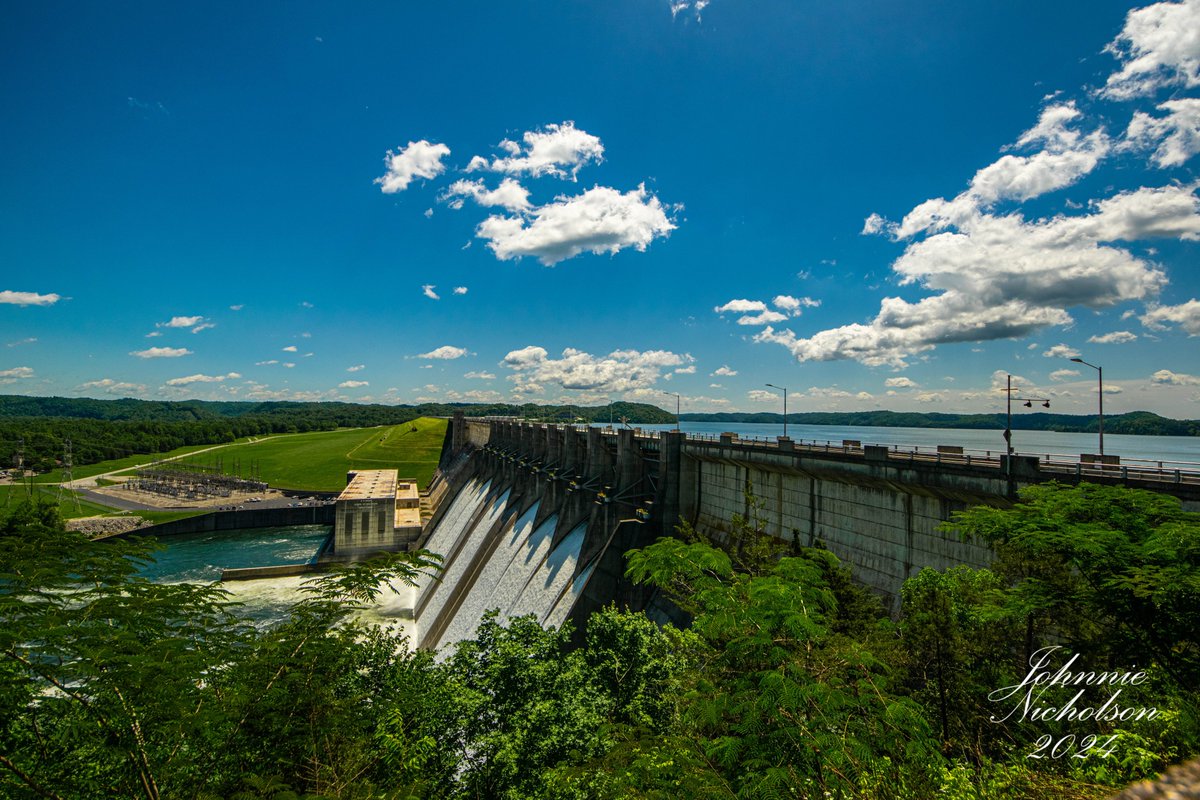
x=875, y=204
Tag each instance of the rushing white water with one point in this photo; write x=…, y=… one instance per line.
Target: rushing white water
x=269, y=600
x=433, y=600
x=551, y=578
x=450, y=528
x=394, y=609
x=566, y=600
x=482, y=595
x=521, y=567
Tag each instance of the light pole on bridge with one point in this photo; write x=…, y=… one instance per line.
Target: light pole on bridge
x=785, y=391
x=1029, y=401
x=1100, y=374
x=677, y=402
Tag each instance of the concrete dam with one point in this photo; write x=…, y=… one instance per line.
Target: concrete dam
x=535, y=518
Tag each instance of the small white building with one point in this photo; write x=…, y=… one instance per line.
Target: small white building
x=376, y=511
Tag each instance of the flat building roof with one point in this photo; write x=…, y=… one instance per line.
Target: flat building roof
x=371, y=484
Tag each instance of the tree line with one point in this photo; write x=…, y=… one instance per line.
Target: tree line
x=100, y=430
x=790, y=681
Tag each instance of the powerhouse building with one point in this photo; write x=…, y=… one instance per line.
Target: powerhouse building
x=376, y=511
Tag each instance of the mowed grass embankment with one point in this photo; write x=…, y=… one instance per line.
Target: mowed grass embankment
x=319, y=461
x=412, y=449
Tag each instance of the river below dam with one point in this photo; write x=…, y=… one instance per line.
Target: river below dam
x=200, y=558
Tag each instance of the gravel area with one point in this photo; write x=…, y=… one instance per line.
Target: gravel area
x=96, y=526
x=1178, y=783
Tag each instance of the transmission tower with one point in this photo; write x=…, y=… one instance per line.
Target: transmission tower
x=64, y=490
x=19, y=463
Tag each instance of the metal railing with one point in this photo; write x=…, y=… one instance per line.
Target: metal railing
x=1129, y=469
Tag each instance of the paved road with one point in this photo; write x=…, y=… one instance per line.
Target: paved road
x=81, y=483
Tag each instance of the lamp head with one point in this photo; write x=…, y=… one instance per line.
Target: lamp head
x=1046, y=404
x=1077, y=360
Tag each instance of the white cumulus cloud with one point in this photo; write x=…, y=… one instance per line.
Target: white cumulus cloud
x=1002, y=276
x=460, y=290
x=162, y=352
x=900, y=382
x=418, y=160
x=428, y=291
x=8, y=297
x=352, y=384
x=619, y=371
x=1173, y=139
x=794, y=305
x=559, y=150
x=509, y=195
x=15, y=373
x=1166, y=376
x=115, y=387
x=200, y=378
x=741, y=306
x=601, y=220
x=764, y=315
x=180, y=322
x=445, y=352
x=1185, y=315
x=1116, y=337
x=1158, y=47
x=1061, y=351
x=1064, y=374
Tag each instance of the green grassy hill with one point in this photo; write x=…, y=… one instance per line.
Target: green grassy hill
x=319, y=461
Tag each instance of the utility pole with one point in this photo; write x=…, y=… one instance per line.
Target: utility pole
x=64, y=486
x=677, y=401
x=785, y=391
x=1029, y=401
x=1100, y=375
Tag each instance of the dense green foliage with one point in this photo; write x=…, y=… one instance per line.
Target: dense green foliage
x=791, y=680
x=1140, y=423
x=102, y=430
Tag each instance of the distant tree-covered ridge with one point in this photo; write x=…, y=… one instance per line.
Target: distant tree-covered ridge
x=1138, y=423
x=106, y=429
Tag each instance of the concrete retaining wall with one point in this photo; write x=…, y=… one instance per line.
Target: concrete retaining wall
x=886, y=531
x=279, y=571
x=245, y=518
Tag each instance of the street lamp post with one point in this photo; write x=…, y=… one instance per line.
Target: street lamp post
x=664, y=391
x=1029, y=401
x=784, y=390
x=1100, y=376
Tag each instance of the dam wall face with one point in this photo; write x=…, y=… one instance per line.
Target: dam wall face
x=534, y=520
x=550, y=510
x=883, y=523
